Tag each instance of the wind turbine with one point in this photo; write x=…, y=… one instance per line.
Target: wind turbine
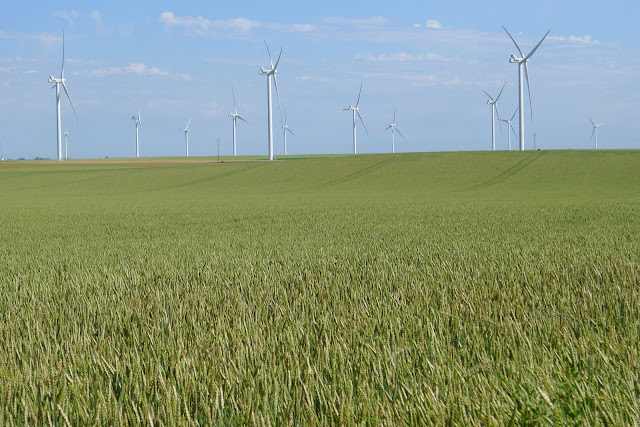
x=235, y=116
x=186, y=135
x=510, y=127
x=138, y=120
x=269, y=73
x=66, y=138
x=59, y=82
x=522, y=63
x=355, y=110
x=394, y=128
x=285, y=129
x=595, y=130
x=494, y=112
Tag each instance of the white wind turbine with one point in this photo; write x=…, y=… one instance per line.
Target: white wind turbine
x=186, y=135
x=235, y=116
x=494, y=112
x=510, y=127
x=394, y=128
x=522, y=63
x=269, y=73
x=66, y=138
x=285, y=129
x=59, y=82
x=355, y=110
x=595, y=130
x=138, y=120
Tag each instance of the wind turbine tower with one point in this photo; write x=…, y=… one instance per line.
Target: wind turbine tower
x=394, y=128
x=595, y=131
x=285, y=129
x=494, y=112
x=186, y=136
x=510, y=127
x=138, y=120
x=269, y=74
x=235, y=116
x=355, y=110
x=522, y=61
x=57, y=83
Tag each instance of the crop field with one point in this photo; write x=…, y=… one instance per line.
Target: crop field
x=472, y=288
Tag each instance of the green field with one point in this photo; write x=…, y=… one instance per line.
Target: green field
x=474, y=288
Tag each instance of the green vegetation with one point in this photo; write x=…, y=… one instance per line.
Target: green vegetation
x=478, y=288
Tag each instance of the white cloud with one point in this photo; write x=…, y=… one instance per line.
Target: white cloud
x=67, y=16
x=199, y=25
x=402, y=56
x=134, y=68
x=101, y=28
x=586, y=39
x=432, y=23
x=416, y=25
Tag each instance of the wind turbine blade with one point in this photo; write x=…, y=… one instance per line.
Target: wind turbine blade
x=514, y=131
x=275, y=67
x=365, y=127
x=275, y=81
x=514, y=42
x=290, y=131
x=489, y=96
x=234, y=100
x=269, y=52
x=592, y=132
x=591, y=120
x=526, y=73
x=495, y=105
x=70, y=102
x=388, y=127
x=346, y=109
x=242, y=119
x=505, y=83
x=188, y=124
x=398, y=130
x=514, y=113
x=62, y=70
x=359, y=93
x=537, y=46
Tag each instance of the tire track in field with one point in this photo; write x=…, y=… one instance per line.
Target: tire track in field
x=509, y=172
x=363, y=172
x=211, y=178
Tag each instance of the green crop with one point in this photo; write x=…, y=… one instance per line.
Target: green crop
x=473, y=288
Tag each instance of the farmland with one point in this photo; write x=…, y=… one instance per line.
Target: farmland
x=476, y=288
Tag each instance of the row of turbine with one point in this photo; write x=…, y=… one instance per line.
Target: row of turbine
x=270, y=73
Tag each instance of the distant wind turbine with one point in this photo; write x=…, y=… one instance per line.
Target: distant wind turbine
x=186, y=136
x=285, y=129
x=138, y=120
x=494, y=112
x=522, y=63
x=595, y=130
x=269, y=74
x=510, y=127
x=66, y=138
x=356, y=110
x=235, y=116
x=59, y=82
x=394, y=128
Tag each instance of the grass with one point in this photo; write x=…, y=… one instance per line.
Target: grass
x=474, y=288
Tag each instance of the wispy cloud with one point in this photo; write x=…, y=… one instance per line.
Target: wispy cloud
x=402, y=56
x=101, y=28
x=67, y=16
x=586, y=39
x=134, y=68
x=432, y=23
x=199, y=25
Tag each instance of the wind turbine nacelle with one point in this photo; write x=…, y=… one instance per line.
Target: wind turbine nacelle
x=514, y=60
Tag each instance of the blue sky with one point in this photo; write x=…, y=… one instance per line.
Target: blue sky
x=431, y=60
